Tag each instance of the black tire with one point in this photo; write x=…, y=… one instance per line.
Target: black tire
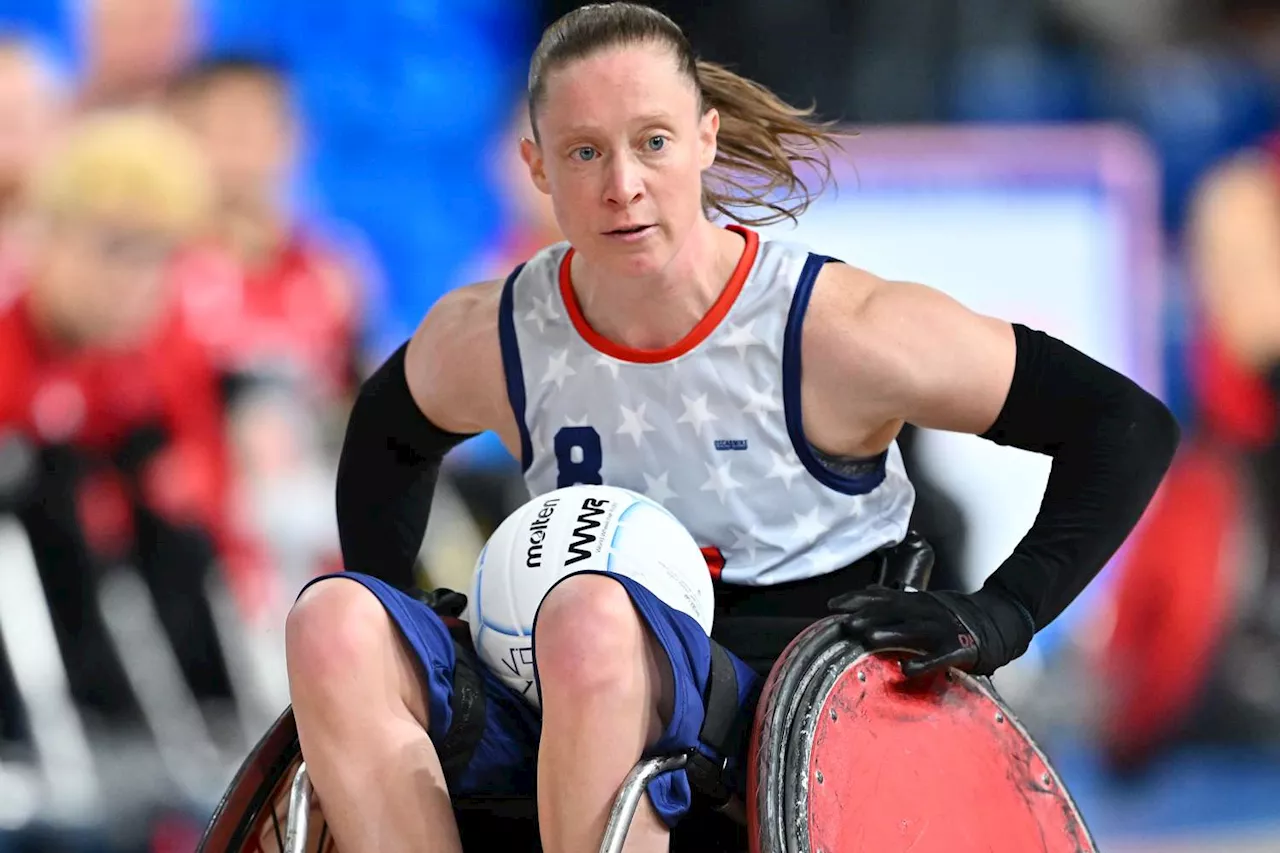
x=252, y=809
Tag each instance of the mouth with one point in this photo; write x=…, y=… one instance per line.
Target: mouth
x=631, y=231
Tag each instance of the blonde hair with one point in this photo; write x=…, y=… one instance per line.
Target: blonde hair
x=132, y=163
x=765, y=145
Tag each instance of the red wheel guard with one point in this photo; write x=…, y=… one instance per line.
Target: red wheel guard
x=850, y=756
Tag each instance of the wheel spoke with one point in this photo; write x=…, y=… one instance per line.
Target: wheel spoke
x=275, y=825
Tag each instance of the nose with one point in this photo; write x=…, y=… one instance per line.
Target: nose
x=624, y=183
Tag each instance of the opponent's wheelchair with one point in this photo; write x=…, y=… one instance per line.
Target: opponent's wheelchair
x=845, y=755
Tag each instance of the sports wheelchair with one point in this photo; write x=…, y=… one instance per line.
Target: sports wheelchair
x=845, y=755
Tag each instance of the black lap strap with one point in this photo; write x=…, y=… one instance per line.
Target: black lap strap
x=758, y=640
x=468, y=706
x=721, y=701
x=723, y=725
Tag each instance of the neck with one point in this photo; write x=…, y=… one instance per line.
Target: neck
x=657, y=311
x=253, y=233
x=49, y=326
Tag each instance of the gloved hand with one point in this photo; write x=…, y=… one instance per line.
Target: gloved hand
x=978, y=633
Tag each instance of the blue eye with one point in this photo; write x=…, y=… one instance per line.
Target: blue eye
x=584, y=154
x=657, y=143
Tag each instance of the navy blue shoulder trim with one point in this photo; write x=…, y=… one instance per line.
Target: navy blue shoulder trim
x=858, y=484
x=511, y=365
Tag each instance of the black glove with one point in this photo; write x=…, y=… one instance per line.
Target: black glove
x=978, y=633
x=447, y=603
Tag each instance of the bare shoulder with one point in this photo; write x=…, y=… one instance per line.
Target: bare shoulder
x=896, y=351
x=858, y=317
x=865, y=326
x=454, y=361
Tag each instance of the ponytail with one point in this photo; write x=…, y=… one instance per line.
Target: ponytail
x=764, y=147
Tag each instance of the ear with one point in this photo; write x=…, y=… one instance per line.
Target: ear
x=708, y=132
x=531, y=154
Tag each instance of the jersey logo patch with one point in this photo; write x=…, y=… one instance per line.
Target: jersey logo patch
x=731, y=444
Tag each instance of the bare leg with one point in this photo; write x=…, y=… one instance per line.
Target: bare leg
x=362, y=722
x=606, y=690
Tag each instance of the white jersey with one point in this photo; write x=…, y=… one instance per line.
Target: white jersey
x=710, y=428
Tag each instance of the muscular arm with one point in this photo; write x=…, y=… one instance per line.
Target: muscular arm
x=878, y=353
x=885, y=353
x=443, y=386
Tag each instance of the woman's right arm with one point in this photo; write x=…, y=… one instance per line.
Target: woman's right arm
x=440, y=388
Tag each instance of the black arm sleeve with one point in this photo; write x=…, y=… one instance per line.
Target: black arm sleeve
x=387, y=474
x=1111, y=443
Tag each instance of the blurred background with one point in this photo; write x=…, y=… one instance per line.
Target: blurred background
x=216, y=216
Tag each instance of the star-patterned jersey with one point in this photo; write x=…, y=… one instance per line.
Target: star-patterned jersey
x=710, y=428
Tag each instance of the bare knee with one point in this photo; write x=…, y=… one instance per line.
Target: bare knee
x=338, y=634
x=334, y=625
x=592, y=644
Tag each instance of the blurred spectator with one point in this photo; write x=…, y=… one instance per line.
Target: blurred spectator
x=1196, y=637
x=130, y=48
x=527, y=221
x=32, y=102
x=279, y=309
x=109, y=418
x=401, y=99
x=266, y=296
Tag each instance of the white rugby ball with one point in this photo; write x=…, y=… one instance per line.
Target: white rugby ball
x=578, y=528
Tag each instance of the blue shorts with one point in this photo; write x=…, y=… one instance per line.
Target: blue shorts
x=505, y=760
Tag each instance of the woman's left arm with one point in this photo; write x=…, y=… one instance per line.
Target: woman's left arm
x=925, y=359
